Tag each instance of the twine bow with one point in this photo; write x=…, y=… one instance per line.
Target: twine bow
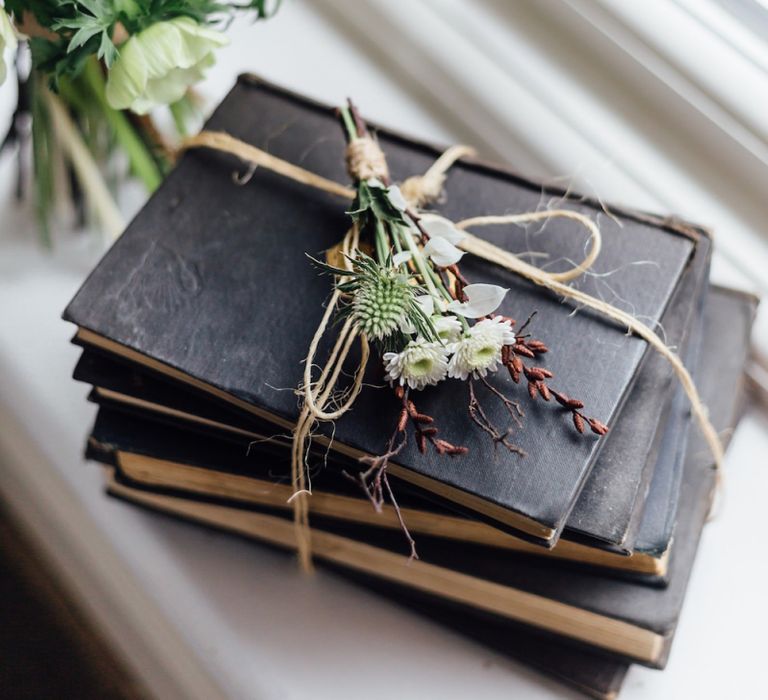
x=365, y=160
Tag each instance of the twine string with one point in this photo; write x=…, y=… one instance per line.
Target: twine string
x=316, y=396
x=487, y=251
x=221, y=141
x=420, y=190
x=365, y=160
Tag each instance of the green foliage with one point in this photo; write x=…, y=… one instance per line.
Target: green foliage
x=52, y=59
x=45, y=13
x=96, y=21
x=372, y=204
x=87, y=27
x=42, y=144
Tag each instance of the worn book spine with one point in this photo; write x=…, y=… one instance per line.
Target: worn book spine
x=610, y=507
x=656, y=533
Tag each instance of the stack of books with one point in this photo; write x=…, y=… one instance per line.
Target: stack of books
x=574, y=557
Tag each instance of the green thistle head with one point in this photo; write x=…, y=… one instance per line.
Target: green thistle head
x=381, y=303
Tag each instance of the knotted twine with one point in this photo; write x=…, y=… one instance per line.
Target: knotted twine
x=366, y=160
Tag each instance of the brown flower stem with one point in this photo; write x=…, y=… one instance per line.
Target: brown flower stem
x=513, y=407
x=526, y=324
x=360, y=125
x=479, y=417
x=411, y=542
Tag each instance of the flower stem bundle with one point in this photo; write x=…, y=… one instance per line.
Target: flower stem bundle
x=404, y=292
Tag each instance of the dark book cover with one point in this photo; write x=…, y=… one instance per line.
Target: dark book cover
x=266, y=465
x=590, y=672
x=128, y=387
x=210, y=283
x=119, y=379
x=610, y=506
x=120, y=382
x=659, y=519
x=656, y=610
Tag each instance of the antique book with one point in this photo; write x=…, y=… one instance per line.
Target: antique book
x=210, y=285
x=628, y=620
x=173, y=460
x=607, y=511
x=163, y=457
x=659, y=518
x=586, y=670
x=168, y=458
x=590, y=672
x=610, y=507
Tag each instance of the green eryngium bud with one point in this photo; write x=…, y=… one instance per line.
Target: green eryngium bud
x=381, y=303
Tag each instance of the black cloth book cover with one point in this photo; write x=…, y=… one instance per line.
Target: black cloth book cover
x=211, y=283
x=610, y=506
x=119, y=379
x=657, y=529
x=728, y=323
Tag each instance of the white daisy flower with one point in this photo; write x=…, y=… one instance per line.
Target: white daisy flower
x=448, y=328
x=419, y=365
x=479, y=352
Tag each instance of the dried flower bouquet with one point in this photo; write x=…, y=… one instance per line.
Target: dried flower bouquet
x=428, y=323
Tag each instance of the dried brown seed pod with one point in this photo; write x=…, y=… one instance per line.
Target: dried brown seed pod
x=423, y=418
x=411, y=409
x=533, y=373
x=544, y=391
x=517, y=363
x=439, y=446
x=562, y=399
x=532, y=389
x=574, y=403
x=578, y=421
x=597, y=427
x=428, y=431
x=421, y=442
x=520, y=349
x=402, y=420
